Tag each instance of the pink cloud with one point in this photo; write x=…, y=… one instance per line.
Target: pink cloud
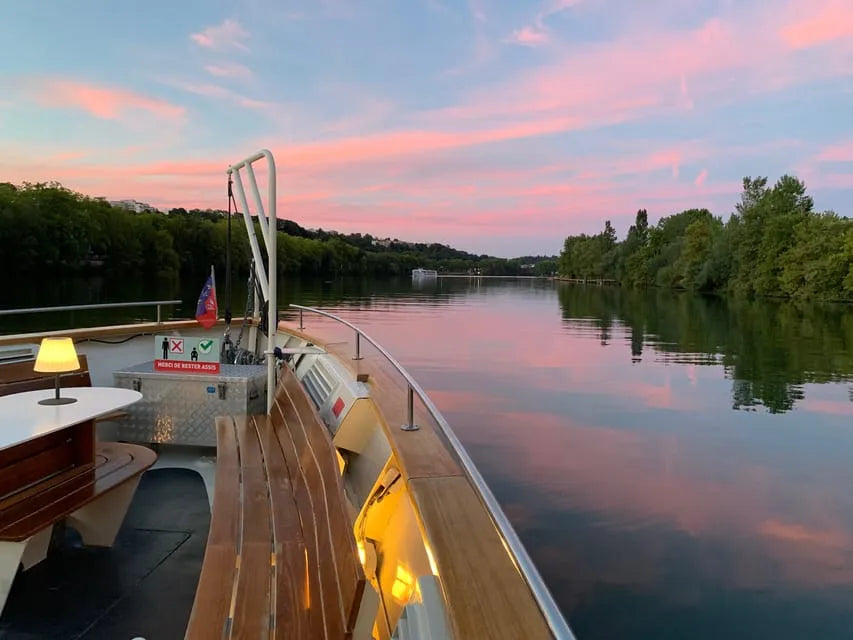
x=529, y=36
x=820, y=24
x=700, y=179
x=228, y=35
x=651, y=73
x=413, y=142
x=802, y=534
x=103, y=102
x=840, y=152
x=365, y=112
x=670, y=158
x=228, y=70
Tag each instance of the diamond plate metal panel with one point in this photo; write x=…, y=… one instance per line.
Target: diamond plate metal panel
x=180, y=408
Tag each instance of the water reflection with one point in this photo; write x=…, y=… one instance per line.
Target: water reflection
x=769, y=349
x=651, y=512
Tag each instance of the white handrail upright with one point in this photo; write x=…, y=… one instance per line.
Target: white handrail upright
x=269, y=226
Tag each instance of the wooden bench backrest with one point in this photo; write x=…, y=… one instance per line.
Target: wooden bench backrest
x=336, y=579
x=16, y=377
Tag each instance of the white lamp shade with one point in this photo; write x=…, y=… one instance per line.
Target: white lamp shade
x=56, y=355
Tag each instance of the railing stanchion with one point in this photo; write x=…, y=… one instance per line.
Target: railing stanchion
x=410, y=411
x=158, y=315
x=357, y=346
x=301, y=326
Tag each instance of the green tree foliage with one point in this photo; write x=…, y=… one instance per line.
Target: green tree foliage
x=45, y=226
x=773, y=245
x=586, y=256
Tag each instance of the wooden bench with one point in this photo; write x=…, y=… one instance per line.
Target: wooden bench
x=281, y=559
x=63, y=475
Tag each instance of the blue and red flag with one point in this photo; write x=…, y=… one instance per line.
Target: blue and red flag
x=206, y=311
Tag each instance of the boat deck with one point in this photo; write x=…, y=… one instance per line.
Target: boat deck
x=142, y=587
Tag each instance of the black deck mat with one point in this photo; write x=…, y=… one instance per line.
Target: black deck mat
x=142, y=587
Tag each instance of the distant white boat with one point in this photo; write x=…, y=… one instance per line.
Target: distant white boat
x=418, y=274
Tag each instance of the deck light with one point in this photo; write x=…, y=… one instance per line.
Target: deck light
x=57, y=355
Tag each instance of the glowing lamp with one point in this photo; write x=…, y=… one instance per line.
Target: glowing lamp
x=57, y=355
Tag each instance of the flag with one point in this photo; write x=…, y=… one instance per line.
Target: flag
x=206, y=311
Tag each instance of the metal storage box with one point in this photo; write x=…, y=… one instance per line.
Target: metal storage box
x=179, y=408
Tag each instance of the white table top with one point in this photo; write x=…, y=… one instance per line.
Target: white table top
x=22, y=418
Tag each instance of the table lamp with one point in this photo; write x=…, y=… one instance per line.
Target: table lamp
x=56, y=355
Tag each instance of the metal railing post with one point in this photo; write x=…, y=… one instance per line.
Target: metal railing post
x=301, y=326
x=357, y=346
x=158, y=315
x=410, y=412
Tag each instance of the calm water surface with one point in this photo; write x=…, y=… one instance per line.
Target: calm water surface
x=678, y=467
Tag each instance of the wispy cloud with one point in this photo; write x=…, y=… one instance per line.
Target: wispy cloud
x=538, y=34
x=228, y=35
x=220, y=93
x=817, y=25
x=553, y=7
x=484, y=50
x=228, y=70
x=700, y=179
x=109, y=103
x=838, y=152
x=529, y=37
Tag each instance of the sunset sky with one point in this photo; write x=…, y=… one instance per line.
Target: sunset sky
x=493, y=126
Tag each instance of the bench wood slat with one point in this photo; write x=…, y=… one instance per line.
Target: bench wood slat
x=329, y=487
x=58, y=479
x=251, y=613
x=289, y=587
x=12, y=509
x=281, y=559
x=316, y=612
x=209, y=616
x=210, y=612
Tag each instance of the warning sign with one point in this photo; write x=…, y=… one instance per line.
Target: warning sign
x=188, y=355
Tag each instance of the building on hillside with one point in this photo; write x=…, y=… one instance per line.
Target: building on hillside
x=133, y=205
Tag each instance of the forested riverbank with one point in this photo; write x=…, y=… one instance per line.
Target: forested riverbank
x=45, y=226
x=775, y=245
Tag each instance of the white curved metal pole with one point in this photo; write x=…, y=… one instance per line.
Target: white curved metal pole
x=268, y=283
x=259, y=205
x=272, y=242
x=250, y=227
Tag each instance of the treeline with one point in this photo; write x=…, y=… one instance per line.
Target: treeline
x=773, y=245
x=46, y=226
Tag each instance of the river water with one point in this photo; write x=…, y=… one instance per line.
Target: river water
x=677, y=466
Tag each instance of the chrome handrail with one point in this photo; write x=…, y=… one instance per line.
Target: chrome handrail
x=554, y=618
x=86, y=307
